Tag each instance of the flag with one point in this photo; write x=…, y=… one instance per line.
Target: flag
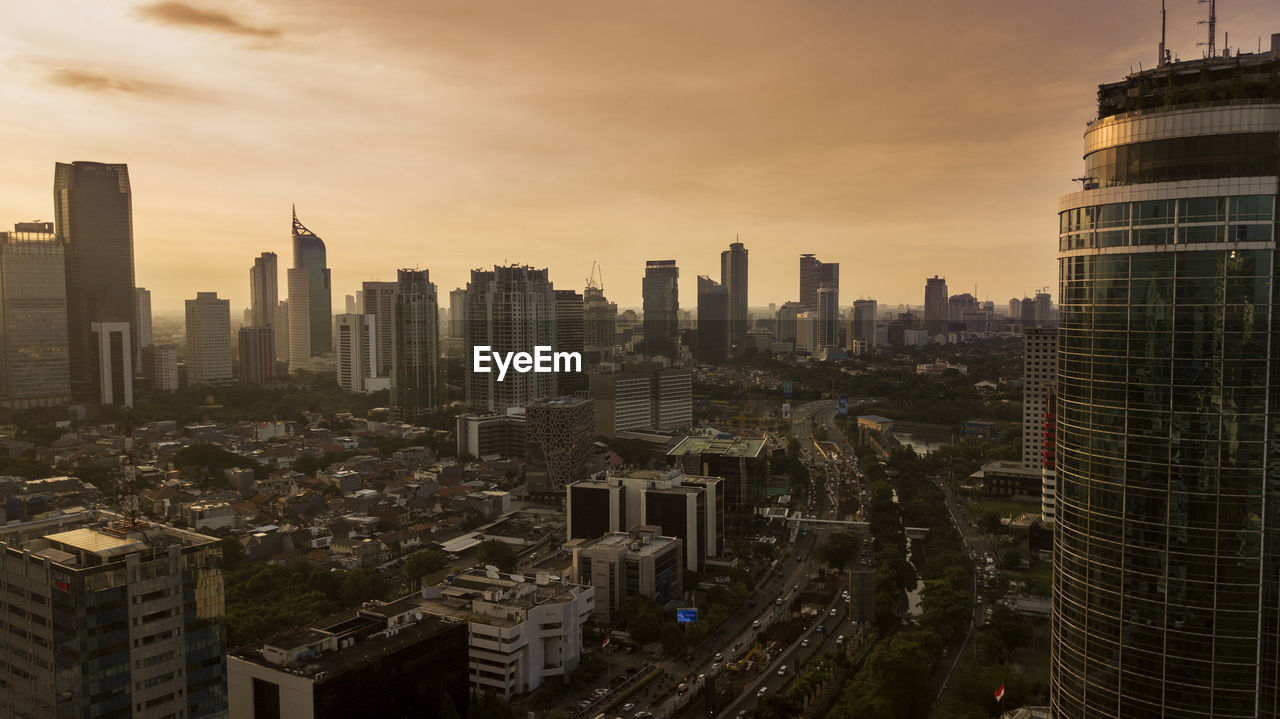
x=606, y=643
x=1000, y=693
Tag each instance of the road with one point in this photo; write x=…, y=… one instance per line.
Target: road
x=977, y=545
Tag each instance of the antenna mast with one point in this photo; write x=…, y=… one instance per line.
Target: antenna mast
x=1164, y=52
x=1213, y=26
x=131, y=519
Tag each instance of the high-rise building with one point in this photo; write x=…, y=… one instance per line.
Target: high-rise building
x=935, y=306
x=415, y=345
x=1166, y=598
x=208, y=339
x=280, y=329
x=264, y=290
x=712, y=343
x=814, y=274
x=599, y=319
x=742, y=462
x=864, y=322
x=786, y=320
x=34, y=367
x=623, y=565
x=356, y=351
x=1015, y=310
x=1044, y=314
x=457, y=312
x=959, y=305
x=310, y=299
x=560, y=435
x=1039, y=372
x=509, y=309
x=569, y=338
x=828, y=317
x=257, y=354
x=93, y=213
x=160, y=363
x=111, y=357
x=733, y=275
x=661, y=292
x=380, y=302
x=142, y=309
x=111, y=619
x=632, y=400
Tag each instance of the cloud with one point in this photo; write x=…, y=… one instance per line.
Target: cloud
x=180, y=14
x=90, y=81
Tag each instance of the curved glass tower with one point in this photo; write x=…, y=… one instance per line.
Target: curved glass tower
x=1166, y=585
x=310, y=298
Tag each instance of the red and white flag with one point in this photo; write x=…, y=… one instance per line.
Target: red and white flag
x=605, y=643
x=1000, y=693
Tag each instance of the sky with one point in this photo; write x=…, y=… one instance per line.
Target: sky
x=901, y=139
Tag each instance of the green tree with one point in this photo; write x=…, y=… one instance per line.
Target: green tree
x=499, y=554
x=358, y=586
x=645, y=628
x=420, y=564
x=232, y=552
x=672, y=639
x=839, y=549
x=489, y=706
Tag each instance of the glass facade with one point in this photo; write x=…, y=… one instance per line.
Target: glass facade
x=1166, y=596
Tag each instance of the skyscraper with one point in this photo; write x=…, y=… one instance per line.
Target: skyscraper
x=310, y=299
x=111, y=359
x=208, y=339
x=569, y=321
x=935, y=306
x=864, y=321
x=815, y=273
x=1039, y=371
x=509, y=309
x=786, y=321
x=415, y=346
x=599, y=319
x=257, y=355
x=357, y=351
x=111, y=620
x=1166, y=586
x=661, y=292
x=379, y=301
x=93, y=213
x=280, y=331
x=828, y=317
x=34, y=367
x=733, y=275
x=264, y=290
x=142, y=310
x=712, y=344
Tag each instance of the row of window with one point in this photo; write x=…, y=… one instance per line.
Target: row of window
x=1204, y=157
x=1188, y=210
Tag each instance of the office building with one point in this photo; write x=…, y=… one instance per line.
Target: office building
x=111, y=618
x=35, y=369
x=864, y=322
x=310, y=300
x=208, y=339
x=807, y=331
x=642, y=399
x=560, y=440
x=1039, y=372
x=661, y=291
x=622, y=565
x=508, y=309
x=280, y=331
x=1166, y=542
x=111, y=352
x=264, y=290
x=599, y=319
x=683, y=506
x=1015, y=310
x=257, y=355
x=787, y=331
x=524, y=629
x=569, y=338
x=733, y=276
x=160, y=364
x=371, y=662
x=712, y=342
x=935, y=306
x=356, y=353
x=491, y=435
x=741, y=462
x=379, y=301
x=1048, y=468
x=142, y=310
x=815, y=274
x=93, y=213
x=415, y=349
x=827, y=320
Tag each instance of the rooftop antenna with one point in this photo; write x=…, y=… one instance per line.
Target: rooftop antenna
x=131, y=519
x=1212, y=22
x=1164, y=51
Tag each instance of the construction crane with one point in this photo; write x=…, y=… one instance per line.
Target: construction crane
x=596, y=269
x=747, y=659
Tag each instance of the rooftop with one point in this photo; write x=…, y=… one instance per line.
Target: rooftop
x=736, y=447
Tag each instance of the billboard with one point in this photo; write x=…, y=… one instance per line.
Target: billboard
x=686, y=616
x=786, y=410
x=788, y=389
x=842, y=406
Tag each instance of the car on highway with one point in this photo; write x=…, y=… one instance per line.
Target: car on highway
x=763, y=691
x=718, y=656
x=819, y=629
x=782, y=670
x=755, y=624
x=644, y=715
x=804, y=642
x=833, y=611
x=628, y=706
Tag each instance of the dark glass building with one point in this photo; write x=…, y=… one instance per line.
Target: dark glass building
x=733, y=275
x=661, y=290
x=1166, y=585
x=93, y=211
x=415, y=345
x=814, y=274
x=712, y=344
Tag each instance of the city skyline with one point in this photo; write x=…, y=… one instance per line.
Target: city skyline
x=548, y=169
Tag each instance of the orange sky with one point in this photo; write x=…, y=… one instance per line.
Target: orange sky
x=903, y=140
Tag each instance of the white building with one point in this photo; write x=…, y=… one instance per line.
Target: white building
x=1039, y=371
x=357, y=351
x=208, y=339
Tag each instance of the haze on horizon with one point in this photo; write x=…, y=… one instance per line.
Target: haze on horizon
x=453, y=135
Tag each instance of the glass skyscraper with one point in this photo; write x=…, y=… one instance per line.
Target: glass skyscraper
x=415, y=345
x=93, y=213
x=661, y=294
x=310, y=299
x=1166, y=584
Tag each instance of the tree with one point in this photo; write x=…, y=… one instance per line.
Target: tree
x=839, y=549
x=357, y=586
x=232, y=552
x=489, y=706
x=672, y=640
x=645, y=628
x=989, y=522
x=499, y=554
x=420, y=564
